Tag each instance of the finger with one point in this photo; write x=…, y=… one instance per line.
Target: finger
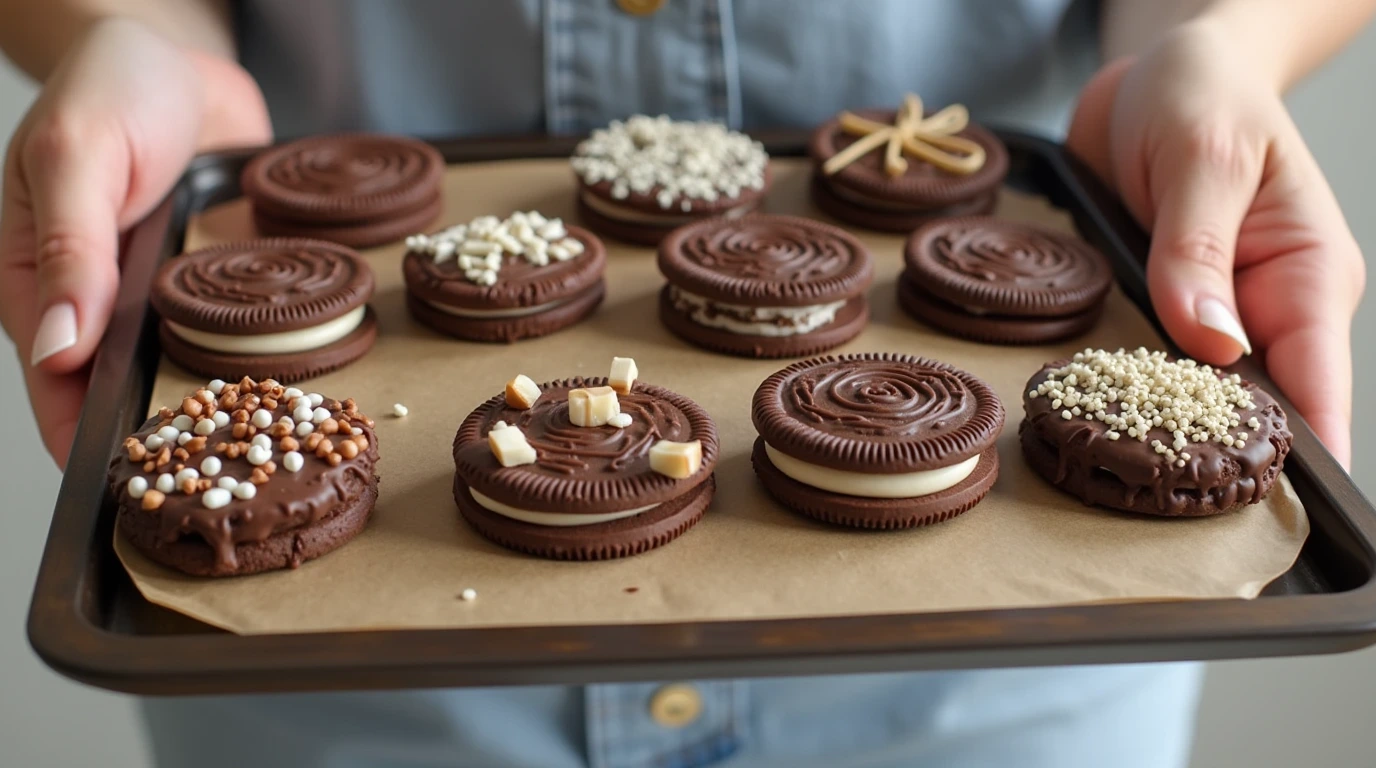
x=1313, y=366
x=1203, y=186
x=76, y=182
x=1088, y=137
x=57, y=400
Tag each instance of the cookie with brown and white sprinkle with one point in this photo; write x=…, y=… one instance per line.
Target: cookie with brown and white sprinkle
x=640, y=178
x=1141, y=432
x=246, y=477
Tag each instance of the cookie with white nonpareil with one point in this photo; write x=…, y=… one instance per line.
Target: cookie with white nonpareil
x=286, y=308
x=585, y=469
x=502, y=280
x=642, y=177
x=246, y=477
x=1141, y=432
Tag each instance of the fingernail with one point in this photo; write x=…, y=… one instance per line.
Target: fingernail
x=56, y=332
x=1216, y=315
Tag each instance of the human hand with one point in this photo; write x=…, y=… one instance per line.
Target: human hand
x=1205, y=155
x=107, y=138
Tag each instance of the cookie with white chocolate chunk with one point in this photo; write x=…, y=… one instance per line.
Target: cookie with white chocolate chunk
x=586, y=472
x=246, y=477
x=1142, y=432
x=503, y=280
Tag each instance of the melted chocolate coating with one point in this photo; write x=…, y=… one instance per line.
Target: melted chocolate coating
x=877, y=413
x=289, y=500
x=1076, y=455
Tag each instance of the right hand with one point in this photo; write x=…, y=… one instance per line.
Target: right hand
x=108, y=137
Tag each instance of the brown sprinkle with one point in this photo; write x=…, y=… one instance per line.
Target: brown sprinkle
x=246, y=384
x=205, y=396
x=148, y=466
x=191, y=407
x=325, y=448
x=166, y=413
x=182, y=453
x=221, y=447
x=334, y=459
x=269, y=403
x=239, y=417
x=313, y=439
x=239, y=430
x=289, y=443
x=348, y=448
x=361, y=442
x=152, y=499
x=329, y=427
x=258, y=476
x=279, y=430
x=178, y=467
x=231, y=450
x=270, y=466
x=195, y=444
x=203, y=484
x=188, y=486
x=137, y=452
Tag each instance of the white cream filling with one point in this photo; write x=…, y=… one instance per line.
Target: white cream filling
x=763, y=319
x=282, y=343
x=494, y=313
x=903, y=485
x=552, y=518
x=624, y=213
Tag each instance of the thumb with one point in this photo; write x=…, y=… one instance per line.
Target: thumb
x=76, y=185
x=1201, y=194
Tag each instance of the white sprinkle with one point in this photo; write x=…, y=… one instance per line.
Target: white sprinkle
x=215, y=498
x=206, y=426
x=620, y=420
x=303, y=414
x=184, y=438
x=318, y=415
x=258, y=455
x=261, y=439
x=292, y=461
x=304, y=428
x=220, y=419
x=316, y=399
x=184, y=475
x=245, y=491
x=210, y=466
x=216, y=386
x=227, y=483
x=262, y=418
x=299, y=402
x=153, y=443
x=291, y=393
x=165, y=483
x=137, y=487
x=399, y=410
x=356, y=430
x=183, y=422
x=169, y=433
x=468, y=595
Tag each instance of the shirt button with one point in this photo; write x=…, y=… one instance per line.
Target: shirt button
x=675, y=706
x=640, y=7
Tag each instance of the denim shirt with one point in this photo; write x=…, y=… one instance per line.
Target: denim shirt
x=565, y=66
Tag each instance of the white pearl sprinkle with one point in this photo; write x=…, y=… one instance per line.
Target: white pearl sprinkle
x=245, y=491
x=137, y=487
x=302, y=414
x=169, y=433
x=216, y=386
x=356, y=430
x=182, y=422
x=258, y=455
x=399, y=410
x=210, y=466
x=221, y=419
x=184, y=475
x=153, y=443
x=262, y=440
x=262, y=418
x=304, y=428
x=227, y=483
x=215, y=498
x=184, y=438
x=318, y=415
x=291, y=393
x=205, y=426
x=468, y=595
x=299, y=402
x=292, y=461
x=165, y=483
x=316, y=399
x=620, y=420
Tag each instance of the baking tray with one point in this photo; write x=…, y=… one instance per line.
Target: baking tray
x=88, y=622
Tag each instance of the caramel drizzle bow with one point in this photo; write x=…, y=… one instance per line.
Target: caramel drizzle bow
x=930, y=139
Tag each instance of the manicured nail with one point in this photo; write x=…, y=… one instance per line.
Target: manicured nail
x=1216, y=315
x=56, y=332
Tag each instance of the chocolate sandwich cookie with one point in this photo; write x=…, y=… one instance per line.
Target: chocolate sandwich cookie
x=504, y=280
x=878, y=441
x=640, y=178
x=764, y=286
x=580, y=471
x=894, y=170
x=1002, y=282
x=287, y=309
x=1140, y=432
x=359, y=190
x=246, y=477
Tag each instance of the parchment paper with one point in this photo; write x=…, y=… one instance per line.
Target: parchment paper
x=1026, y=544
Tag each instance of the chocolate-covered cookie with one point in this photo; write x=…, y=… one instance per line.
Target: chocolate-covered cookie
x=879, y=441
x=360, y=190
x=504, y=280
x=642, y=177
x=893, y=170
x=553, y=478
x=1002, y=282
x=282, y=308
x=1141, y=432
x=764, y=286
x=246, y=477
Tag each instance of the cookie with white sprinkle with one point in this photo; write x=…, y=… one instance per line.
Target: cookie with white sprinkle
x=1142, y=432
x=503, y=280
x=642, y=177
x=246, y=477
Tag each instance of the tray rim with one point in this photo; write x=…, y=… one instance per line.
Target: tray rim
x=63, y=636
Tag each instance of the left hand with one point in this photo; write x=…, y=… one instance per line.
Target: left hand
x=1244, y=226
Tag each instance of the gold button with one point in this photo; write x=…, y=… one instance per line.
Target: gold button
x=640, y=7
x=675, y=706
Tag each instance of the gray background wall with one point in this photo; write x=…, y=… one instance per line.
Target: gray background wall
x=1316, y=712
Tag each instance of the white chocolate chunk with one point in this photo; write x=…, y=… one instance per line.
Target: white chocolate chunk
x=593, y=407
x=620, y=420
x=522, y=392
x=624, y=373
x=510, y=448
x=676, y=460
